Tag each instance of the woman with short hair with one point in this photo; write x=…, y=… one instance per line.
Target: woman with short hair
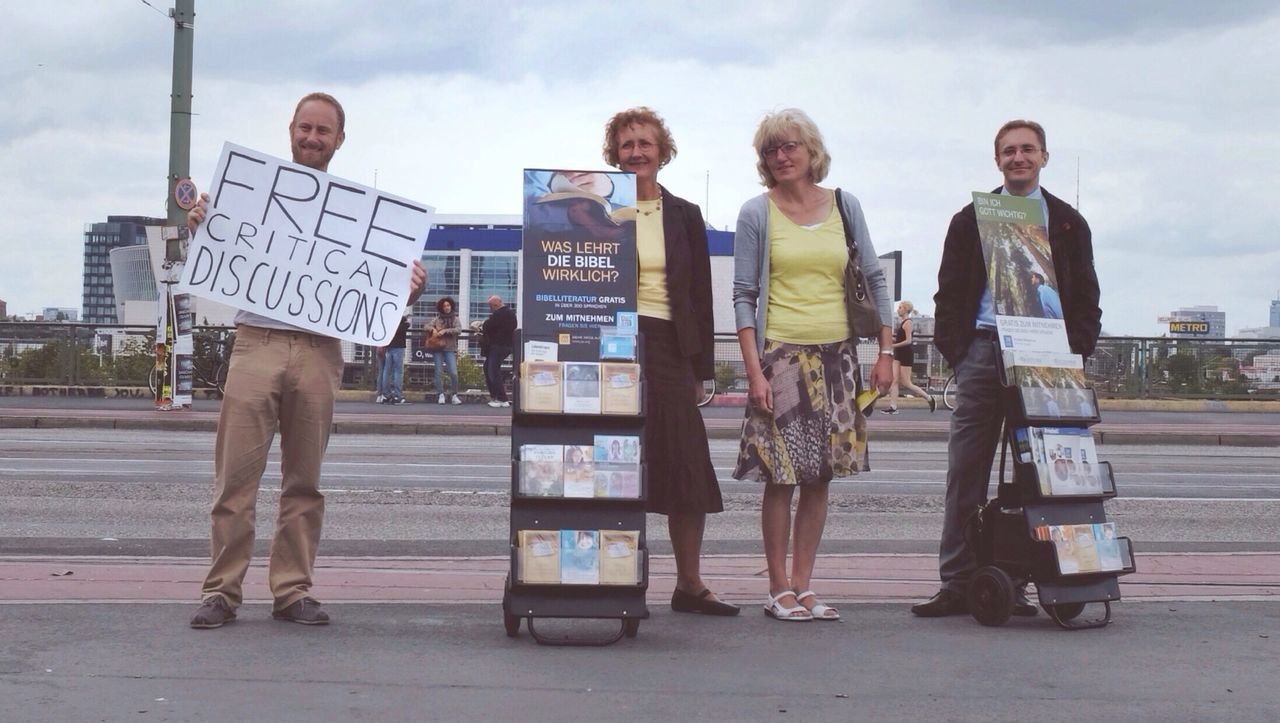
x=674, y=307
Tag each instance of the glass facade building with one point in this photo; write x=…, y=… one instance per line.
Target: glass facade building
x=98, y=300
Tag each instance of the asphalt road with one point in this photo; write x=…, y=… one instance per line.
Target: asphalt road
x=1157, y=662
x=88, y=490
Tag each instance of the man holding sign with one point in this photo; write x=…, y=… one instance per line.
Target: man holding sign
x=280, y=374
x=965, y=333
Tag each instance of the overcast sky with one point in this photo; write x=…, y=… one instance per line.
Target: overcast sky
x=1170, y=110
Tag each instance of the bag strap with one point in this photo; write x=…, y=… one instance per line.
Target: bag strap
x=844, y=220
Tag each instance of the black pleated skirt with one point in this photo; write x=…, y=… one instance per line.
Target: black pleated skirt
x=677, y=458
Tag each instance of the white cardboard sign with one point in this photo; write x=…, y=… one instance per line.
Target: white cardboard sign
x=301, y=246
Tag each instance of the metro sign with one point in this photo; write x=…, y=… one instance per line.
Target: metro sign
x=1188, y=327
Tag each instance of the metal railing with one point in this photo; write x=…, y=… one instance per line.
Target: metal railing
x=102, y=355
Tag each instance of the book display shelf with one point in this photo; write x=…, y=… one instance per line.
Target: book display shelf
x=1047, y=524
x=577, y=533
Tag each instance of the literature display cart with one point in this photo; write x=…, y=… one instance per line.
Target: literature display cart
x=1047, y=524
x=578, y=487
x=578, y=547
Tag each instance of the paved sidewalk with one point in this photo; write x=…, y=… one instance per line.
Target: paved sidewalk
x=845, y=578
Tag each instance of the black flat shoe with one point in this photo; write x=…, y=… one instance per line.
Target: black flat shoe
x=685, y=602
x=942, y=604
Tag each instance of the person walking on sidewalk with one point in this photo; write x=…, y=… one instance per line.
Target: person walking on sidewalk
x=498, y=331
x=965, y=334
x=389, y=391
x=280, y=375
x=904, y=358
x=442, y=341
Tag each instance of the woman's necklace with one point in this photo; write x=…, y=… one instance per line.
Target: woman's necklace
x=657, y=206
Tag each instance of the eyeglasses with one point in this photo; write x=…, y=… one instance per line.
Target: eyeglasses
x=787, y=149
x=642, y=144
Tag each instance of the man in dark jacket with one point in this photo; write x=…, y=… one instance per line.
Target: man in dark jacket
x=498, y=330
x=965, y=333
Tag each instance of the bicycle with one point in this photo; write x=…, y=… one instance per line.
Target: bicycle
x=949, y=391
x=708, y=392
x=217, y=380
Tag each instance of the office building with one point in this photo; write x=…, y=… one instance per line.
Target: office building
x=1216, y=321
x=98, y=301
x=59, y=313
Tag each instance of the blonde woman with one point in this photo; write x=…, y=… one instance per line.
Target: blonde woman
x=904, y=359
x=802, y=428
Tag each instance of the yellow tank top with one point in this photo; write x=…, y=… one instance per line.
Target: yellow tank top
x=806, y=280
x=652, y=299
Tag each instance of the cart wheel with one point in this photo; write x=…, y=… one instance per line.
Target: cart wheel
x=630, y=626
x=991, y=596
x=1067, y=611
x=512, y=623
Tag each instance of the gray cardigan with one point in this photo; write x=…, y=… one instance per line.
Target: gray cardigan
x=751, y=264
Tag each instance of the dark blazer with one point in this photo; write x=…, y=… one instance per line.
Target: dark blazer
x=962, y=277
x=689, y=282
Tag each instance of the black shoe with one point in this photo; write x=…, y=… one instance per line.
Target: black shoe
x=933, y=404
x=305, y=611
x=1022, y=607
x=890, y=410
x=687, y=602
x=944, y=603
x=213, y=613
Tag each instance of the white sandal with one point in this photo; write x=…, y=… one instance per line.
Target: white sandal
x=778, y=611
x=820, y=611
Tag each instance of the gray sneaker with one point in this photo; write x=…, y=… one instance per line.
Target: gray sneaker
x=305, y=611
x=213, y=613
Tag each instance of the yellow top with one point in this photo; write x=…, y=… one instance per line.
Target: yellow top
x=806, y=280
x=652, y=299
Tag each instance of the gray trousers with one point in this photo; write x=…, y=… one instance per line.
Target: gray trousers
x=971, y=450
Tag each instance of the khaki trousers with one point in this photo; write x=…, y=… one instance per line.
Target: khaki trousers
x=289, y=377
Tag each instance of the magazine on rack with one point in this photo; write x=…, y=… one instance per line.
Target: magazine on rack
x=539, y=556
x=1052, y=384
x=579, y=471
x=619, y=561
x=580, y=557
x=581, y=388
x=1066, y=460
x=541, y=386
x=617, y=448
x=620, y=388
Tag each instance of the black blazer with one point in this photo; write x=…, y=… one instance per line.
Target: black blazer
x=962, y=277
x=689, y=282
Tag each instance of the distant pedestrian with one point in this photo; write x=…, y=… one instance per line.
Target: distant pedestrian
x=904, y=359
x=442, y=341
x=496, y=345
x=389, y=391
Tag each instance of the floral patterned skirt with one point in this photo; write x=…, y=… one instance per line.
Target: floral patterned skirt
x=816, y=432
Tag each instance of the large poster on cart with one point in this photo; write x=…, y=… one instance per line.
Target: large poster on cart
x=579, y=255
x=1020, y=273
